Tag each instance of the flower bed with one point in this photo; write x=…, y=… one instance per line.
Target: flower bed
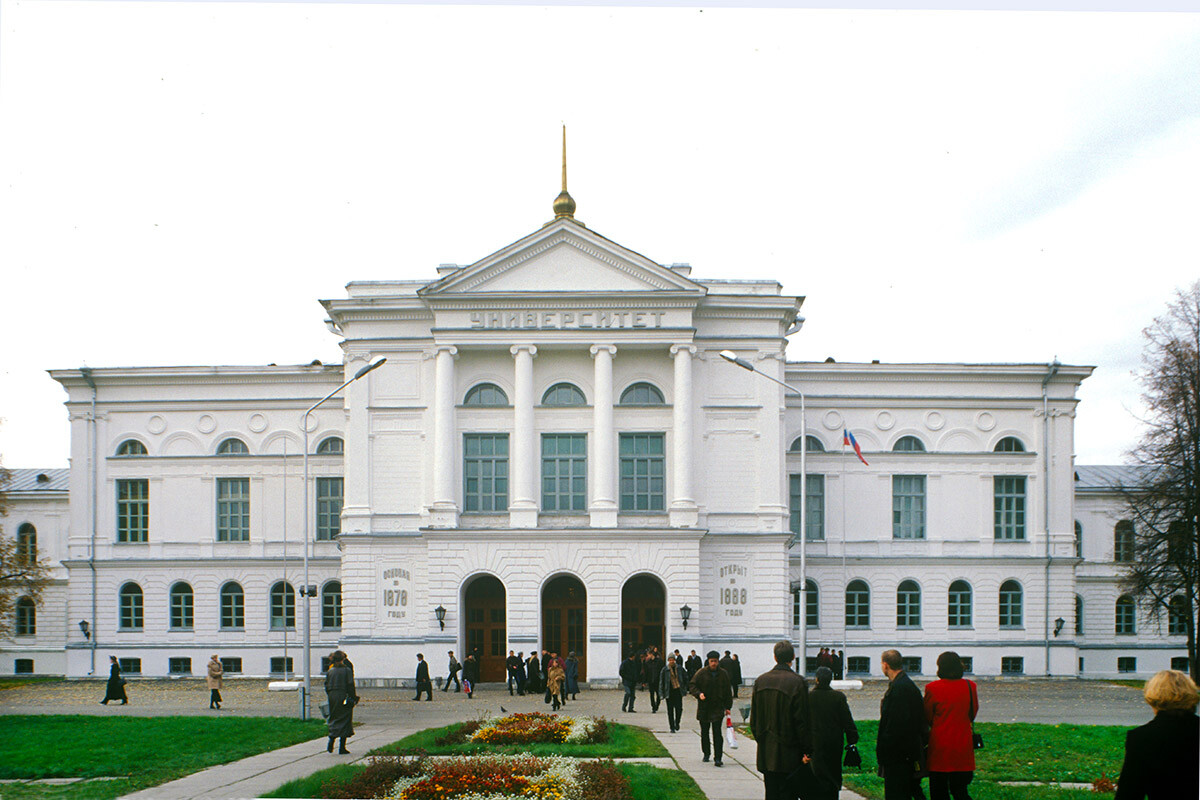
x=535, y=727
x=494, y=778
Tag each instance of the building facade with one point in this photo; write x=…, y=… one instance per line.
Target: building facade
x=554, y=456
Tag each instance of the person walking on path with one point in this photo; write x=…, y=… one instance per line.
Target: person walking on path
x=454, y=667
x=1162, y=757
x=672, y=683
x=831, y=722
x=522, y=678
x=115, y=688
x=951, y=703
x=711, y=688
x=556, y=678
x=572, y=673
x=651, y=670
x=510, y=667
x=533, y=668
x=341, y=696
x=630, y=674
x=423, y=683
x=839, y=665
x=692, y=665
x=215, y=671
x=735, y=676
x=903, y=731
x=470, y=675
x=779, y=722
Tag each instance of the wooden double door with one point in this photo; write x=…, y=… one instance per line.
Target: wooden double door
x=643, y=615
x=486, y=626
x=564, y=619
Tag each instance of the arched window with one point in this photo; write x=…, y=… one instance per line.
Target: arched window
x=858, y=605
x=960, y=606
x=331, y=446
x=1126, y=615
x=331, y=605
x=26, y=543
x=131, y=447
x=1078, y=615
x=563, y=394
x=1078, y=539
x=812, y=443
x=1123, y=542
x=233, y=446
x=1177, y=616
x=283, y=606
x=130, y=607
x=642, y=394
x=810, y=598
x=1009, y=444
x=1012, y=605
x=26, y=617
x=908, y=605
x=485, y=394
x=908, y=444
x=182, y=606
x=233, y=606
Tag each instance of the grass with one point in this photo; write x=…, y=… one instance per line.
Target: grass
x=627, y=742
x=14, y=683
x=146, y=751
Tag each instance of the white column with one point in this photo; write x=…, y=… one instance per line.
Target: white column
x=356, y=463
x=522, y=501
x=444, y=512
x=683, y=512
x=603, y=466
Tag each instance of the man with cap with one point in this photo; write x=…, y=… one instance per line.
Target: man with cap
x=711, y=688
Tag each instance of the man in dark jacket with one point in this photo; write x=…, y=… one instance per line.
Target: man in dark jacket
x=454, y=667
x=341, y=697
x=652, y=668
x=630, y=674
x=831, y=722
x=711, y=688
x=423, y=683
x=672, y=683
x=779, y=721
x=903, y=731
x=735, y=677
x=512, y=664
x=692, y=665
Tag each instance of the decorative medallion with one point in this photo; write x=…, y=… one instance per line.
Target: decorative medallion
x=935, y=420
x=206, y=424
x=884, y=420
x=258, y=423
x=985, y=421
x=832, y=420
x=156, y=424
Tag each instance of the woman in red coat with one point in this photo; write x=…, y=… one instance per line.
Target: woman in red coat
x=950, y=706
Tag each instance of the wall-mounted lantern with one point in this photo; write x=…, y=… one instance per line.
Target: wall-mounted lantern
x=1058, y=625
x=440, y=613
x=87, y=629
x=686, y=613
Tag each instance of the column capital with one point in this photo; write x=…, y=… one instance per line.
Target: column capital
x=438, y=349
x=517, y=349
x=771, y=355
x=352, y=358
x=596, y=349
x=676, y=349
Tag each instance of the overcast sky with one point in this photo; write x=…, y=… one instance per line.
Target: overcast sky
x=181, y=182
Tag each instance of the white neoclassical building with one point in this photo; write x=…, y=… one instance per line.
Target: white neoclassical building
x=554, y=456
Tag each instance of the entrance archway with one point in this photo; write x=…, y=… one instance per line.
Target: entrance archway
x=486, y=634
x=643, y=615
x=564, y=619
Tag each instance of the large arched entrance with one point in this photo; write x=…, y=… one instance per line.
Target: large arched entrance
x=486, y=636
x=564, y=619
x=643, y=615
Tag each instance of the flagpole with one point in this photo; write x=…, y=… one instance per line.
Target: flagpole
x=845, y=539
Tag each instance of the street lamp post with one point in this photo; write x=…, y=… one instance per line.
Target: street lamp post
x=307, y=591
x=733, y=358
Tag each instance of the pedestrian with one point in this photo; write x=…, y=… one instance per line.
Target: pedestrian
x=839, y=665
x=572, y=673
x=1162, y=757
x=545, y=669
x=726, y=663
x=115, y=688
x=533, y=668
x=951, y=703
x=903, y=731
x=735, y=677
x=672, y=683
x=831, y=723
x=423, y=683
x=556, y=677
x=779, y=722
x=470, y=674
x=711, y=688
x=454, y=667
x=651, y=671
x=215, y=671
x=510, y=668
x=341, y=696
x=522, y=679
x=692, y=665
x=630, y=674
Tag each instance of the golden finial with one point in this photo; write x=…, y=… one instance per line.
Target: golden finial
x=564, y=205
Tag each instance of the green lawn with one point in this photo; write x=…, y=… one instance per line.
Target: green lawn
x=627, y=742
x=146, y=751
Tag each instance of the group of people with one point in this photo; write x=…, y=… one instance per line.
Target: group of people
x=551, y=674
x=114, y=689
x=835, y=661
x=644, y=669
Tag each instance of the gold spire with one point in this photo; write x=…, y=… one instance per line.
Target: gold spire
x=564, y=205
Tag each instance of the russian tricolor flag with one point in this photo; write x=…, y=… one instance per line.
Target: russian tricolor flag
x=848, y=438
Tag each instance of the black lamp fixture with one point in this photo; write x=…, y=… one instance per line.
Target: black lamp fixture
x=686, y=613
x=87, y=629
x=1058, y=625
x=440, y=613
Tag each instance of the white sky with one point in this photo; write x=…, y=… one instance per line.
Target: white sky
x=180, y=182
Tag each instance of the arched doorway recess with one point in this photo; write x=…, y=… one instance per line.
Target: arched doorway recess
x=643, y=614
x=486, y=634
x=564, y=619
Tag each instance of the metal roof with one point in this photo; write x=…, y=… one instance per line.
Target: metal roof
x=1112, y=476
x=39, y=480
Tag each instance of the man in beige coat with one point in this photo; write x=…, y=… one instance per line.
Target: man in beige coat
x=215, y=671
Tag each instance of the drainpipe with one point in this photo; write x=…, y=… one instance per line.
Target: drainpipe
x=92, y=466
x=1052, y=371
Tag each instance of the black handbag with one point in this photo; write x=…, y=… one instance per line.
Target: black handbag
x=853, y=757
x=977, y=740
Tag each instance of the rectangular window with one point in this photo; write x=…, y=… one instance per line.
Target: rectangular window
x=968, y=663
x=908, y=506
x=643, y=471
x=233, y=610
x=281, y=665
x=179, y=666
x=231, y=666
x=1180, y=663
x=960, y=605
x=485, y=472
x=1012, y=665
x=564, y=472
x=133, y=510
x=812, y=613
x=130, y=666
x=858, y=665
x=911, y=664
x=233, y=509
x=811, y=664
x=1126, y=664
x=23, y=666
x=329, y=508
x=814, y=507
x=1008, y=506
x=1081, y=665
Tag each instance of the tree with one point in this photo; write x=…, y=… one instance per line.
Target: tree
x=1165, y=502
x=20, y=574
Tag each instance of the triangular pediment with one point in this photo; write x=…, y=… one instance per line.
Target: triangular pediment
x=562, y=257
